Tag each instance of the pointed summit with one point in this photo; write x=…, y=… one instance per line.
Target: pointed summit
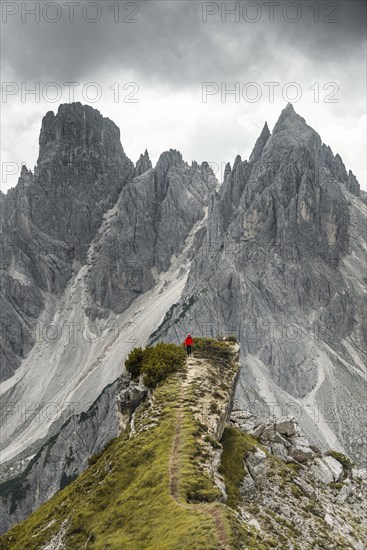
x=143, y=164
x=292, y=130
x=289, y=108
x=288, y=117
x=260, y=143
x=227, y=171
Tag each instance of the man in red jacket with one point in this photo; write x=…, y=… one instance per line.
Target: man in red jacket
x=189, y=342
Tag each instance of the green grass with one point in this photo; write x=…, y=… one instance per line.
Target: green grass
x=236, y=446
x=217, y=352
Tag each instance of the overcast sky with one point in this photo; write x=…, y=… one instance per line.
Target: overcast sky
x=163, y=51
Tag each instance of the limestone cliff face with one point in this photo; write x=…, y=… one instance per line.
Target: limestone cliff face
x=154, y=215
x=51, y=216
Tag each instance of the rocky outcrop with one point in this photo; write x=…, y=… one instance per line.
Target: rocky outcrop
x=306, y=497
x=260, y=144
x=143, y=164
x=283, y=436
x=129, y=396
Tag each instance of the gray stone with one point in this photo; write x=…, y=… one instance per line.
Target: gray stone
x=360, y=474
x=248, y=488
x=258, y=431
x=334, y=466
x=286, y=427
x=129, y=396
x=254, y=523
x=320, y=471
x=329, y=520
x=344, y=493
x=300, y=449
x=279, y=450
x=306, y=489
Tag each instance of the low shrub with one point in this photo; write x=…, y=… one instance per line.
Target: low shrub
x=134, y=362
x=155, y=363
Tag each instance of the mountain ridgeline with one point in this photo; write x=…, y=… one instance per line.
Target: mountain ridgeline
x=100, y=255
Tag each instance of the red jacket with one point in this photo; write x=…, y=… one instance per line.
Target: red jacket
x=189, y=341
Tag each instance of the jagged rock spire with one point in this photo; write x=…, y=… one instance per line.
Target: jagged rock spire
x=260, y=143
x=227, y=171
x=143, y=164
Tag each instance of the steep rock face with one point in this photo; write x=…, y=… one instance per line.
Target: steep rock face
x=50, y=217
x=281, y=265
x=130, y=395
x=81, y=169
x=153, y=218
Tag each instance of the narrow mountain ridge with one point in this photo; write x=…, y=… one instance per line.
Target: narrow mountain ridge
x=184, y=472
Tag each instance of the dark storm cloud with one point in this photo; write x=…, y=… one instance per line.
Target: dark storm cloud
x=170, y=42
x=169, y=53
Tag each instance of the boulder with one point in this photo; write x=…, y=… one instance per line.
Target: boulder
x=130, y=395
x=248, y=488
x=254, y=523
x=280, y=439
x=300, y=449
x=255, y=462
x=258, y=431
x=306, y=489
x=360, y=474
x=320, y=471
x=268, y=431
x=279, y=450
x=344, y=492
x=286, y=427
x=329, y=520
x=334, y=466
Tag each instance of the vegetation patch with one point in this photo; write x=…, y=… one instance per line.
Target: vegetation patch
x=235, y=448
x=155, y=363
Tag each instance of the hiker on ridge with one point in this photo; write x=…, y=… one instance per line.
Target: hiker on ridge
x=188, y=343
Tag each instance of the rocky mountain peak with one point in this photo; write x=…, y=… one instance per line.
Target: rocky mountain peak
x=292, y=130
x=143, y=164
x=260, y=143
x=77, y=129
x=227, y=171
x=168, y=159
